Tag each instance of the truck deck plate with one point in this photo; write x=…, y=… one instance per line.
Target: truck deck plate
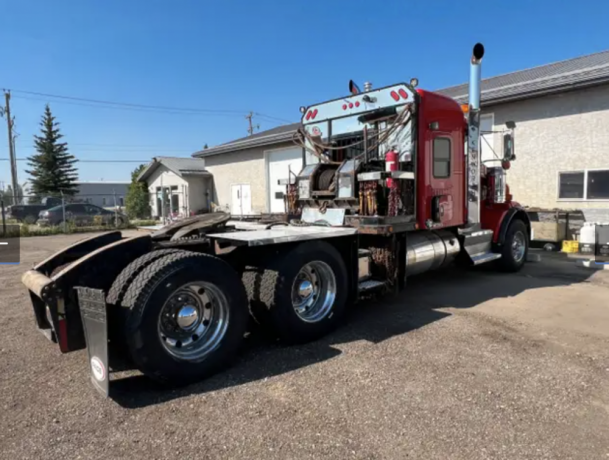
x=283, y=235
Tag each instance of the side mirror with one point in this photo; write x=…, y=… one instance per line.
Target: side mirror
x=508, y=147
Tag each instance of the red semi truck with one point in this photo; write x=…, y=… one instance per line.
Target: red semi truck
x=392, y=186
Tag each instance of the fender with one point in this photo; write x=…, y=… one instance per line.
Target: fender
x=515, y=212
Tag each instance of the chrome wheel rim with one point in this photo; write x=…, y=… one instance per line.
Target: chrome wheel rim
x=314, y=291
x=193, y=321
x=518, y=246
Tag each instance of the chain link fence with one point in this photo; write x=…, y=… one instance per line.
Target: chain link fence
x=81, y=213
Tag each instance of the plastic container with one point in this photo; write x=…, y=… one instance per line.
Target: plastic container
x=570, y=246
x=587, y=239
x=602, y=240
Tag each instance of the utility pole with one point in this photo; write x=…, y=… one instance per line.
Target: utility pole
x=251, y=128
x=10, y=122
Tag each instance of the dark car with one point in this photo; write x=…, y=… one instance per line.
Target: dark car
x=29, y=213
x=81, y=214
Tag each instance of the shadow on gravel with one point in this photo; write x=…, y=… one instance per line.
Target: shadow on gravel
x=372, y=320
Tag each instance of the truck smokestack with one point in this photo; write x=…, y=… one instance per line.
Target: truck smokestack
x=473, y=138
x=475, y=76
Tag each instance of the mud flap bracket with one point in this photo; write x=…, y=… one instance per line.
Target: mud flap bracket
x=94, y=314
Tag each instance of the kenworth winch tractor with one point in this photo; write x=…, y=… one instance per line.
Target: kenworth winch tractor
x=392, y=186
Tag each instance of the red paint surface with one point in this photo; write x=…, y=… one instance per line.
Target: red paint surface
x=435, y=108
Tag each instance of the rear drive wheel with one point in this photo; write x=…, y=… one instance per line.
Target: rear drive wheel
x=188, y=315
x=300, y=295
x=515, y=247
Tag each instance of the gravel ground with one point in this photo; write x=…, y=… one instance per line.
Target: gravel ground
x=462, y=365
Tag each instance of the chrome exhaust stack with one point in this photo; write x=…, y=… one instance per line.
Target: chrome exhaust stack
x=473, y=137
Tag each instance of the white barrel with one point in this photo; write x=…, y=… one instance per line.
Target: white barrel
x=587, y=238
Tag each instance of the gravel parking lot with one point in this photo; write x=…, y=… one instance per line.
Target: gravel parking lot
x=462, y=365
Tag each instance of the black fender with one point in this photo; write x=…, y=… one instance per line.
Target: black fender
x=513, y=213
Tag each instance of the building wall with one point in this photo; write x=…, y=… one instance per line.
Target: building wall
x=102, y=193
x=242, y=167
x=564, y=132
x=199, y=193
x=163, y=177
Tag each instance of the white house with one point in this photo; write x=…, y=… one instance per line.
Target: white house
x=184, y=182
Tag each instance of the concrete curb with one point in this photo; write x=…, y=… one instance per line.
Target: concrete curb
x=591, y=264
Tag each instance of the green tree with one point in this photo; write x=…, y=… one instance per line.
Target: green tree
x=52, y=168
x=136, y=201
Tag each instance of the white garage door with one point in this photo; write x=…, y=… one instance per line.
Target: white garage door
x=279, y=164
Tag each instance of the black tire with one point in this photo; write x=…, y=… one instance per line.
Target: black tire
x=129, y=273
x=269, y=290
x=146, y=297
x=509, y=262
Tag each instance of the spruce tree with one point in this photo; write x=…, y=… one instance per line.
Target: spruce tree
x=52, y=168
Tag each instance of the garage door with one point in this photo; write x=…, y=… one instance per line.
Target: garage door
x=279, y=164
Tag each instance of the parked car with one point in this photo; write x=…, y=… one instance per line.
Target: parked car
x=29, y=213
x=81, y=214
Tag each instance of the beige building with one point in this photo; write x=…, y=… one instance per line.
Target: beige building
x=561, y=112
x=246, y=171
x=178, y=187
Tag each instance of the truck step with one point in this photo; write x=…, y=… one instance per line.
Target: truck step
x=483, y=258
x=370, y=285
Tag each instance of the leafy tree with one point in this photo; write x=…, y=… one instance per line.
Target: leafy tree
x=136, y=201
x=52, y=168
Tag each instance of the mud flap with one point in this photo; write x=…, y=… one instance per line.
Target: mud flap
x=93, y=312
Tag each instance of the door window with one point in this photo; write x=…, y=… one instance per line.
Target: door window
x=441, y=157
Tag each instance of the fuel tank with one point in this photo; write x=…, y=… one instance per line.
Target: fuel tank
x=427, y=250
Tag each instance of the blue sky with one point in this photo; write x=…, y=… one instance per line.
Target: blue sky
x=268, y=56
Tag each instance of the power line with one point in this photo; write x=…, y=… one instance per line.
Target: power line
x=129, y=104
x=87, y=102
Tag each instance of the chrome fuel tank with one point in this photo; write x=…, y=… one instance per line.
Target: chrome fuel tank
x=426, y=250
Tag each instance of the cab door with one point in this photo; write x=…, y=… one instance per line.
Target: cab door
x=441, y=201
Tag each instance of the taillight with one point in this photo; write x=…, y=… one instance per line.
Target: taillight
x=401, y=92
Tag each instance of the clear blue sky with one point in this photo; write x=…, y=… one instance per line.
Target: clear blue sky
x=269, y=56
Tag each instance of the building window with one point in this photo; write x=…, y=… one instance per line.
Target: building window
x=441, y=157
x=104, y=201
x=121, y=201
x=583, y=185
x=571, y=185
x=598, y=185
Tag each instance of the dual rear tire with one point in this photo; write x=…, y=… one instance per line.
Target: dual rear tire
x=185, y=314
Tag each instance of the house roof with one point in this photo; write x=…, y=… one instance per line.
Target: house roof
x=560, y=76
x=282, y=133
x=580, y=72
x=180, y=166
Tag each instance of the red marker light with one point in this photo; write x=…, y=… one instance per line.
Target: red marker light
x=403, y=93
x=313, y=114
x=356, y=103
x=350, y=105
x=308, y=116
x=344, y=106
x=395, y=96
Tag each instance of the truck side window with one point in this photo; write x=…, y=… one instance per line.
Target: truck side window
x=441, y=157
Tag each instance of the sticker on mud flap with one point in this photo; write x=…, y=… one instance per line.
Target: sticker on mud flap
x=98, y=369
